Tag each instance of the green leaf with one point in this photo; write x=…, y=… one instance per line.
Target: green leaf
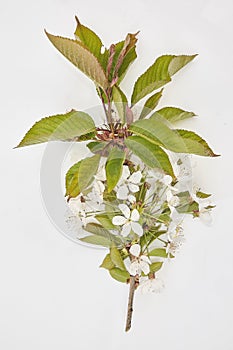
x=210, y=207
x=72, y=187
x=165, y=218
x=151, y=154
x=188, y=208
x=127, y=61
x=150, y=236
x=106, y=221
x=194, y=144
x=158, y=74
x=114, y=167
x=109, y=197
x=119, y=275
x=174, y=114
x=97, y=240
x=97, y=147
x=179, y=62
x=88, y=38
x=81, y=175
x=59, y=127
x=116, y=258
x=150, y=104
x=187, y=205
x=107, y=263
x=202, y=195
x=120, y=101
x=161, y=252
x=156, y=266
x=180, y=141
x=127, y=48
x=88, y=168
x=98, y=230
x=77, y=53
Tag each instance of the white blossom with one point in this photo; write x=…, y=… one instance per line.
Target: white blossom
x=151, y=285
x=204, y=212
x=173, y=201
x=205, y=216
x=175, y=241
x=128, y=221
x=175, y=234
x=76, y=205
x=80, y=209
x=140, y=263
x=128, y=183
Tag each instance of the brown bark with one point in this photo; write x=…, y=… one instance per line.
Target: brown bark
x=132, y=287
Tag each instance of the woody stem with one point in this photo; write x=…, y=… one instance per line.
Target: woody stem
x=132, y=288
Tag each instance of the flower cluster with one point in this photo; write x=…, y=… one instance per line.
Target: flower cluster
x=142, y=217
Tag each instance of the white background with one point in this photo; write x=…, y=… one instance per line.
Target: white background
x=52, y=293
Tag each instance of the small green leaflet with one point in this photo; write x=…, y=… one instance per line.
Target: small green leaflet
x=106, y=221
x=97, y=240
x=59, y=127
x=77, y=53
x=150, y=104
x=202, y=195
x=119, y=275
x=88, y=168
x=151, y=154
x=174, y=114
x=114, y=166
x=80, y=176
x=188, y=208
x=72, y=188
x=98, y=230
x=150, y=236
x=107, y=263
x=158, y=74
x=156, y=266
x=116, y=258
x=161, y=252
x=97, y=146
x=187, y=204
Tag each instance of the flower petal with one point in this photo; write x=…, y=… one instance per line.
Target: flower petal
x=135, y=250
x=133, y=188
x=151, y=286
x=119, y=220
x=169, y=195
x=145, y=258
x=101, y=174
x=144, y=267
x=125, y=174
x=174, y=201
x=76, y=205
x=99, y=187
x=135, y=216
x=167, y=180
x=136, y=177
x=126, y=229
x=205, y=217
x=122, y=192
x=134, y=268
x=131, y=198
x=137, y=228
x=125, y=210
